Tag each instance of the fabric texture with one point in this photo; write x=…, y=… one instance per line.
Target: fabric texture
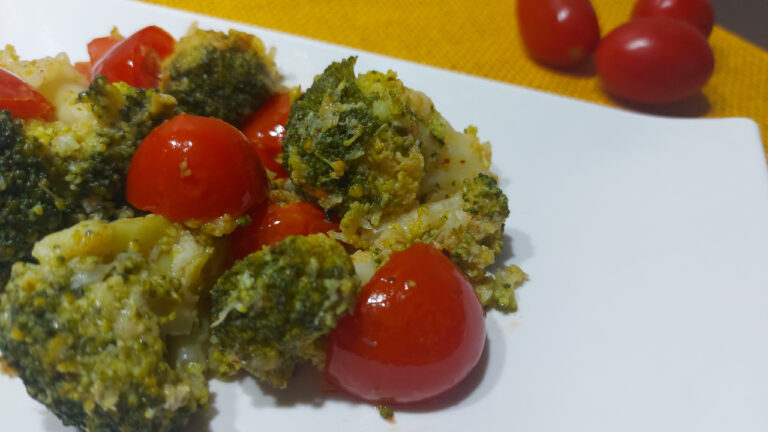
x=482, y=38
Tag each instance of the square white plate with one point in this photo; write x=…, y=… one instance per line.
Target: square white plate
x=646, y=240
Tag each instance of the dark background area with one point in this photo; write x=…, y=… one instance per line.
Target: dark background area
x=747, y=18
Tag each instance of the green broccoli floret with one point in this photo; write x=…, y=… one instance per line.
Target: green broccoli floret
x=55, y=174
x=352, y=145
x=497, y=291
x=274, y=308
x=89, y=328
x=468, y=225
x=27, y=209
x=222, y=75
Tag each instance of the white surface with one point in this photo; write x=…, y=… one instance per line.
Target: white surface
x=646, y=240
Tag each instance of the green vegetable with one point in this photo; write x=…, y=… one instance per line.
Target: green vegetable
x=94, y=329
x=55, y=174
x=468, y=225
x=213, y=74
x=352, y=145
x=382, y=158
x=274, y=308
x=385, y=412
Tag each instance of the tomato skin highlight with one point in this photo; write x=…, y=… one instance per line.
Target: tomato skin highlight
x=265, y=130
x=23, y=100
x=417, y=330
x=273, y=223
x=136, y=59
x=560, y=33
x=654, y=61
x=193, y=167
x=698, y=13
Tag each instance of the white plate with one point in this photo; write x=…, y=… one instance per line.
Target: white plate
x=646, y=240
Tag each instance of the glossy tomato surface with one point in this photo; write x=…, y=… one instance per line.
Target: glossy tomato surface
x=193, y=167
x=136, y=59
x=417, y=330
x=101, y=45
x=23, y=100
x=698, y=13
x=561, y=33
x=273, y=223
x=96, y=50
x=265, y=130
x=654, y=61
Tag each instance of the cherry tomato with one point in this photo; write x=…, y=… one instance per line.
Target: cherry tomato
x=654, y=61
x=193, y=167
x=417, y=330
x=266, y=128
x=101, y=45
x=84, y=68
x=23, y=100
x=136, y=60
x=560, y=33
x=272, y=223
x=697, y=13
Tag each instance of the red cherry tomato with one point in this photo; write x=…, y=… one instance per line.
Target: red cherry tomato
x=193, y=167
x=101, y=45
x=271, y=224
x=560, y=33
x=84, y=68
x=136, y=60
x=23, y=100
x=698, y=13
x=266, y=128
x=654, y=61
x=417, y=330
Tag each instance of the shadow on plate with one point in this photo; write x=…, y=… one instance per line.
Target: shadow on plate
x=694, y=106
x=517, y=245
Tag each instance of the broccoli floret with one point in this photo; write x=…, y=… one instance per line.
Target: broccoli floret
x=367, y=149
x=352, y=145
x=222, y=75
x=27, y=209
x=89, y=328
x=55, y=174
x=497, y=291
x=274, y=308
x=468, y=225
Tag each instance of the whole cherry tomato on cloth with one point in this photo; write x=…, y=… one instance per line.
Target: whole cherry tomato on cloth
x=23, y=100
x=265, y=130
x=654, y=61
x=560, y=33
x=417, y=330
x=136, y=59
x=193, y=167
x=698, y=13
x=273, y=223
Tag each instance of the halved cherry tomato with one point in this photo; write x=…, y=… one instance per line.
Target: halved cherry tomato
x=96, y=50
x=698, y=13
x=101, y=45
x=654, y=61
x=417, y=330
x=136, y=60
x=193, y=167
x=560, y=33
x=266, y=128
x=23, y=100
x=272, y=223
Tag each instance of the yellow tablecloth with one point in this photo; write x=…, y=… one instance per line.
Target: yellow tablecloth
x=481, y=38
